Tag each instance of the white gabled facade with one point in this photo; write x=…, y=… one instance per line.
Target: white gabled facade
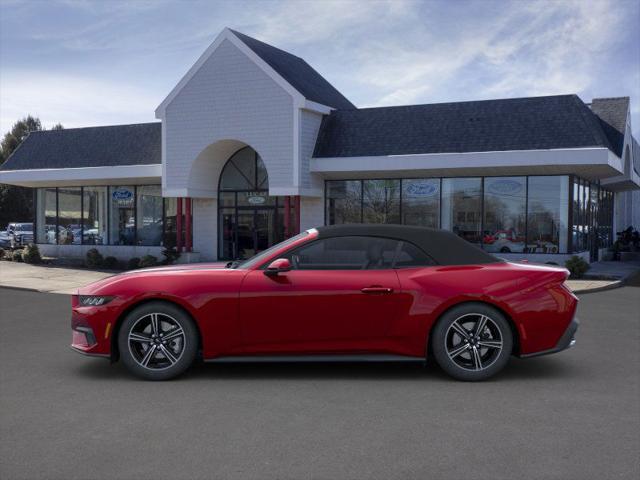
x=229, y=99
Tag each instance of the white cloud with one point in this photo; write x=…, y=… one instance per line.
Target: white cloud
x=298, y=22
x=533, y=48
x=72, y=100
x=384, y=52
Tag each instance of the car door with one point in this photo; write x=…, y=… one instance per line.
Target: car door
x=340, y=296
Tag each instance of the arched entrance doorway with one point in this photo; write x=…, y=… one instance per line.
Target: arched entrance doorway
x=249, y=220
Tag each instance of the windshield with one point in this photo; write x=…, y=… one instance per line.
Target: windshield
x=256, y=259
x=24, y=227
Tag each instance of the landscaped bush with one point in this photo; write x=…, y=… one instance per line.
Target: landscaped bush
x=110, y=263
x=577, y=266
x=133, y=263
x=2, y=253
x=94, y=258
x=31, y=254
x=148, y=261
x=17, y=256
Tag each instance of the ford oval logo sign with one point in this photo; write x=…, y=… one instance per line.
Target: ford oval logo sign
x=122, y=194
x=505, y=187
x=422, y=189
x=256, y=200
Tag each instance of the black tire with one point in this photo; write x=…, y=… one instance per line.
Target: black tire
x=166, y=358
x=505, y=250
x=459, y=356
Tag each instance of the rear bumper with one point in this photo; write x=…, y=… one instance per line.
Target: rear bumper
x=567, y=340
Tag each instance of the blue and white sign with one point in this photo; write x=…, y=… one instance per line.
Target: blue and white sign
x=123, y=197
x=122, y=194
x=505, y=187
x=256, y=199
x=422, y=189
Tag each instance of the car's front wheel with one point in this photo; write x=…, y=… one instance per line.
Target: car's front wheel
x=157, y=341
x=472, y=341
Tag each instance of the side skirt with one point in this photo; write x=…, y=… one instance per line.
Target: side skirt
x=314, y=358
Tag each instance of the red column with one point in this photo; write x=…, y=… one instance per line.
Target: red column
x=297, y=200
x=179, y=224
x=287, y=216
x=187, y=224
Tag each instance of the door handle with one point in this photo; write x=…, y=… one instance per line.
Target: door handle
x=377, y=290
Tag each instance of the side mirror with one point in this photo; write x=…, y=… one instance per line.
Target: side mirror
x=278, y=266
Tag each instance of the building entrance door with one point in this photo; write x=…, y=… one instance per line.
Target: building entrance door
x=249, y=220
x=255, y=231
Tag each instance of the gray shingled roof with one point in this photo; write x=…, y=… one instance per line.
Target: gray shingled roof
x=298, y=73
x=534, y=123
x=612, y=113
x=115, y=145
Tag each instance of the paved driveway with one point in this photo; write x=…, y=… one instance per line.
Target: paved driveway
x=570, y=416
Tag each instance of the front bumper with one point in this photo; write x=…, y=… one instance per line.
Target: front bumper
x=567, y=340
x=83, y=341
x=91, y=328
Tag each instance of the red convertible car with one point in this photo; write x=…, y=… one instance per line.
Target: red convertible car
x=347, y=292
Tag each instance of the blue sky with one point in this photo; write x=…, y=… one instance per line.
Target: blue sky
x=84, y=63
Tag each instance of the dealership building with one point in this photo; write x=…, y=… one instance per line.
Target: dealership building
x=253, y=145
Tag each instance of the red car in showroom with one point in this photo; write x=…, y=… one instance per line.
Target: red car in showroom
x=344, y=292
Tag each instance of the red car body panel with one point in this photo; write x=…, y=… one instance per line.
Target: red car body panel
x=245, y=312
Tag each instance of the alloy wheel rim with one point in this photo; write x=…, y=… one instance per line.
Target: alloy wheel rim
x=473, y=341
x=156, y=341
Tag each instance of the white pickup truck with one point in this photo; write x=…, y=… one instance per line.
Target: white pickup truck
x=18, y=235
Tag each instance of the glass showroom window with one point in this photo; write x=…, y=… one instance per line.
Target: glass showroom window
x=593, y=209
x=344, y=201
x=505, y=200
x=548, y=212
x=605, y=219
x=122, y=221
x=149, y=215
x=462, y=207
x=421, y=202
x=94, y=215
x=46, y=215
x=170, y=228
x=381, y=201
x=70, y=216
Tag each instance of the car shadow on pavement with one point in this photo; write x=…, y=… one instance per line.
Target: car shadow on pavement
x=516, y=370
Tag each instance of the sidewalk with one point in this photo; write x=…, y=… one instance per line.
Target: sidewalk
x=604, y=276
x=43, y=278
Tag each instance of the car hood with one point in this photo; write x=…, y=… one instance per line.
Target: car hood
x=93, y=288
x=179, y=268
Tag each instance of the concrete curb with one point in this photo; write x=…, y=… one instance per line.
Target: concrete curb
x=28, y=289
x=611, y=286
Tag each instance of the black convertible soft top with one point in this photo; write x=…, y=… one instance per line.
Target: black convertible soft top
x=445, y=247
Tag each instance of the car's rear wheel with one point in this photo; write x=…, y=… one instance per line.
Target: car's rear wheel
x=157, y=341
x=472, y=341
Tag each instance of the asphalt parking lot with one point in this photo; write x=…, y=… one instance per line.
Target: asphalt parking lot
x=575, y=415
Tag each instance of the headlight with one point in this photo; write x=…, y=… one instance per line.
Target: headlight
x=93, y=300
